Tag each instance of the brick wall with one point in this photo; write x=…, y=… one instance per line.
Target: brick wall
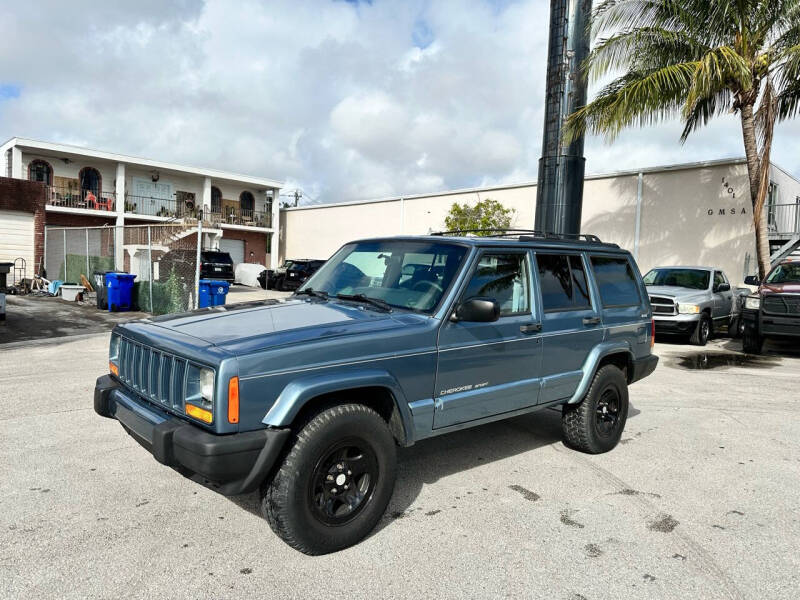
x=26, y=196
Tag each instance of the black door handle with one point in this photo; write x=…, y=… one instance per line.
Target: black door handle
x=591, y=320
x=531, y=328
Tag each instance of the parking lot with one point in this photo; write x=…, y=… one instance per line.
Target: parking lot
x=699, y=500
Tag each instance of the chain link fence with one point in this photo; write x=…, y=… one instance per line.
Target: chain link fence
x=163, y=258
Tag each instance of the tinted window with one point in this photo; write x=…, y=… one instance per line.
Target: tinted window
x=217, y=257
x=616, y=281
x=504, y=278
x=563, y=282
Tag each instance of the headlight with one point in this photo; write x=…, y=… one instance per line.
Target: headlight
x=752, y=302
x=207, y=384
x=688, y=309
x=113, y=349
x=200, y=393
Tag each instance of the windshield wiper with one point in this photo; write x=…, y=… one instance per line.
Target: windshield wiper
x=312, y=292
x=366, y=300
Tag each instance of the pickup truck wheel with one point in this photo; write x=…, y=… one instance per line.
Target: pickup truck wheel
x=595, y=425
x=752, y=342
x=702, y=331
x=736, y=328
x=335, y=482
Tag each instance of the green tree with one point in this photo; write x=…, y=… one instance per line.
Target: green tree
x=486, y=214
x=698, y=59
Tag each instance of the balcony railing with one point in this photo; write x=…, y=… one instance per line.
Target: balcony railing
x=77, y=198
x=242, y=216
x=783, y=220
x=157, y=207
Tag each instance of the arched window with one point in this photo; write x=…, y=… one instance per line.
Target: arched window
x=216, y=200
x=40, y=170
x=91, y=181
x=246, y=203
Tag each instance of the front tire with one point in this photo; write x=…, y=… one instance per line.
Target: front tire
x=702, y=331
x=595, y=425
x=335, y=483
x=752, y=342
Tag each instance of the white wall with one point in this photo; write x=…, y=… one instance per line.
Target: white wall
x=687, y=217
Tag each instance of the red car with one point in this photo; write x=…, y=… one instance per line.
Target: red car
x=774, y=310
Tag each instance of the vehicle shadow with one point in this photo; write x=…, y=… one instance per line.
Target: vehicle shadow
x=433, y=459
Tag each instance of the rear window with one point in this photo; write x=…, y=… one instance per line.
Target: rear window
x=616, y=281
x=563, y=282
x=217, y=257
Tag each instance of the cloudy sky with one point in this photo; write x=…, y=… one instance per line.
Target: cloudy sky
x=346, y=100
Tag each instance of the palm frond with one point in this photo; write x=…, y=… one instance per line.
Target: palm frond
x=720, y=68
x=704, y=110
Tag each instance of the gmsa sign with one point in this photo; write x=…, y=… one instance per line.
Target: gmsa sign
x=729, y=191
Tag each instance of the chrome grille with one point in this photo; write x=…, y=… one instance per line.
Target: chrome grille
x=782, y=304
x=156, y=375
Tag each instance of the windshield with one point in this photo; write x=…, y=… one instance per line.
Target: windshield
x=401, y=273
x=785, y=273
x=696, y=279
x=217, y=257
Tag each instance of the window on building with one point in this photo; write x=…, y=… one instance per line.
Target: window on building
x=616, y=281
x=563, y=282
x=40, y=171
x=502, y=277
x=216, y=200
x=246, y=203
x=90, y=181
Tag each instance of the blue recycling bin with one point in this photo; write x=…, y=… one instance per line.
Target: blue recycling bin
x=119, y=291
x=212, y=293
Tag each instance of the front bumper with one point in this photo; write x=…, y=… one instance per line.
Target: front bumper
x=676, y=323
x=231, y=464
x=769, y=325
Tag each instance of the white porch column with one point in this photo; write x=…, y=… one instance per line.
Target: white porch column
x=206, y=198
x=16, y=163
x=276, y=229
x=119, y=232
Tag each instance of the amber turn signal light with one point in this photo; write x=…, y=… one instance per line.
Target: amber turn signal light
x=198, y=413
x=233, y=400
x=113, y=368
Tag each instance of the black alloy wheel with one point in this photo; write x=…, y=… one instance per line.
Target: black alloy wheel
x=343, y=482
x=607, y=412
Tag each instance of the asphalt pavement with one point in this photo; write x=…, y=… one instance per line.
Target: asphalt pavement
x=700, y=500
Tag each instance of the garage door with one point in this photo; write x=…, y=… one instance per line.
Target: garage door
x=233, y=247
x=16, y=238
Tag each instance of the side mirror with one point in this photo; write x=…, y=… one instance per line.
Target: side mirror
x=751, y=280
x=478, y=310
x=723, y=287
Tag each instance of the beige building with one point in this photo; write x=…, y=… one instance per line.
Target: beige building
x=692, y=214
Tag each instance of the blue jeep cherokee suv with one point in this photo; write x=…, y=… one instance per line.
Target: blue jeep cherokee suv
x=392, y=341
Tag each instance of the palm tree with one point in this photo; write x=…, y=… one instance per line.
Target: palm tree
x=698, y=59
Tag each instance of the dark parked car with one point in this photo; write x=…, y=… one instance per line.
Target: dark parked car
x=306, y=400
x=268, y=277
x=297, y=273
x=213, y=264
x=774, y=310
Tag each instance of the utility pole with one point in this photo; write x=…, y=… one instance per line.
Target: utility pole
x=297, y=195
x=559, y=189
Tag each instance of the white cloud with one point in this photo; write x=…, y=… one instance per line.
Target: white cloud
x=343, y=100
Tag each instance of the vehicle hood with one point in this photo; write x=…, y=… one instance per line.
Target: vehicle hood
x=792, y=287
x=246, y=328
x=673, y=291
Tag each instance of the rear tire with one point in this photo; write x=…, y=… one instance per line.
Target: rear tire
x=701, y=332
x=335, y=482
x=736, y=328
x=595, y=425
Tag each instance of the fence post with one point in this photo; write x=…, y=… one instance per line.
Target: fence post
x=197, y=262
x=64, y=231
x=150, y=262
x=87, y=252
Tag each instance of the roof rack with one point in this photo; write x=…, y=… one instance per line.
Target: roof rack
x=526, y=235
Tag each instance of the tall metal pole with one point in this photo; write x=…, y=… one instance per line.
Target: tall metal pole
x=559, y=190
x=197, y=263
